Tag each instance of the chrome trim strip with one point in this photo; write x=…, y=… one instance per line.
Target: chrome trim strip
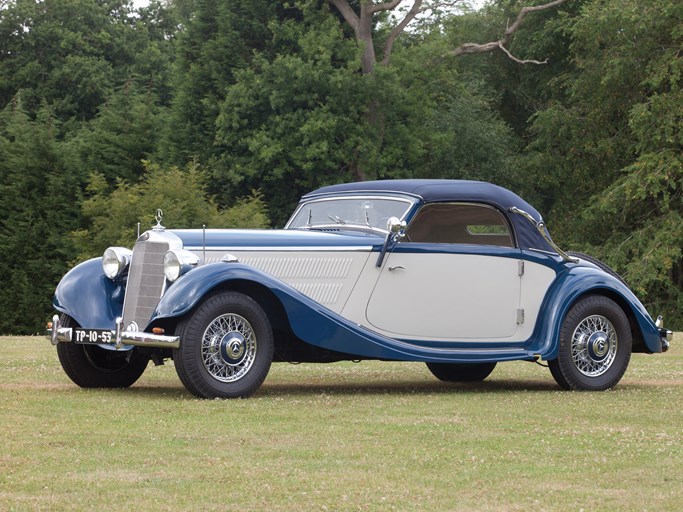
x=142, y=339
x=363, y=193
x=543, y=252
x=58, y=333
x=363, y=248
x=145, y=339
x=543, y=230
x=410, y=199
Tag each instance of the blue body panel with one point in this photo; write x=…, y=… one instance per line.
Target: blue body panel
x=89, y=297
x=563, y=293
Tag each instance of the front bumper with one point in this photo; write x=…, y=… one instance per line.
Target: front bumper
x=664, y=334
x=120, y=337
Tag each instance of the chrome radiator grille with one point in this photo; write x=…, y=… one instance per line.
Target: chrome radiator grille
x=145, y=282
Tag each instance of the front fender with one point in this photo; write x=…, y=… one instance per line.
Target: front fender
x=89, y=297
x=568, y=288
x=183, y=295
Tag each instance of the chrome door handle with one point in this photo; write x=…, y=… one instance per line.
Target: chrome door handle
x=396, y=267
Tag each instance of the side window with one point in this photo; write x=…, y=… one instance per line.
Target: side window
x=459, y=223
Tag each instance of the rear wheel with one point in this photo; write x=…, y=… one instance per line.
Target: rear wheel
x=595, y=346
x=461, y=372
x=226, y=347
x=90, y=366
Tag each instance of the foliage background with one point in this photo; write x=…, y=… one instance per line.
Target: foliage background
x=224, y=113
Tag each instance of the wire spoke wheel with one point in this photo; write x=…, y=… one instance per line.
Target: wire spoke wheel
x=594, y=345
x=229, y=347
x=226, y=347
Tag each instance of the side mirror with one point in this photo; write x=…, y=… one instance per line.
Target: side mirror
x=394, y=225
x=395, y=228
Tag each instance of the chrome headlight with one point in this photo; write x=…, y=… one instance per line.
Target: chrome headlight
x=115, y=260
x=176, y=263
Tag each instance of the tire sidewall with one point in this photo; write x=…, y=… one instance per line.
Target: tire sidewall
x=90, y=366
x=188, y=358
x=564, y=368
x=461, y=372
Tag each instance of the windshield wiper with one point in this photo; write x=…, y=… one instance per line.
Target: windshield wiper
x=336, y=219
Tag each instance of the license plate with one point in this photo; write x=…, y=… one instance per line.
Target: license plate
x=92, y=336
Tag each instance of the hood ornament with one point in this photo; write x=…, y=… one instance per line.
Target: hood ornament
x=158, y=217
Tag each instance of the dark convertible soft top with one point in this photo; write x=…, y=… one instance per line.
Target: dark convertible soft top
x=430, y=191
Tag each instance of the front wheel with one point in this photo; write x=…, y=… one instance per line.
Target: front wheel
x=457, y=372
x=90, y=366
x=226, y=347
x=595, y=346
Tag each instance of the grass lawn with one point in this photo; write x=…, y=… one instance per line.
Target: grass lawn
x=368, y=436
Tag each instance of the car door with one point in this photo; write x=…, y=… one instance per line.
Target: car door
x=455, y=276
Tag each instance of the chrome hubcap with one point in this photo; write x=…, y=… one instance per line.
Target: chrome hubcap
x=232, y=348
x=228, y=347
x=594, y=345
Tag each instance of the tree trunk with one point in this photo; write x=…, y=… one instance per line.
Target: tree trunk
x=364, y=37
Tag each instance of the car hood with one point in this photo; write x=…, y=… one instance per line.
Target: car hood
x=194, y=239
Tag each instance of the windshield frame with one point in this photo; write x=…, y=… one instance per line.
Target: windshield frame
x=336, y=225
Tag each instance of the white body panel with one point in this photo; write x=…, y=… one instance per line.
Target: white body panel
x=437, y=297
x=535, y=283
x=449, y=297
x=446, y=296
x=324, y=275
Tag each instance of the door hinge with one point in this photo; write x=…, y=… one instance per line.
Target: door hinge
x=520, y=315
x=520, y=268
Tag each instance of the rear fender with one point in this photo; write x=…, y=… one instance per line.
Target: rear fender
x=569, y=287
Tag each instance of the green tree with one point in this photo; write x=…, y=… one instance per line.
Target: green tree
x=125, y=132
x=39, y=198
x=469, y=140
x=82, y=87
x=614, y=145
x=72, y=54
x=219, y=38
x=308, y=118
x=288, y=124
x=113, y=215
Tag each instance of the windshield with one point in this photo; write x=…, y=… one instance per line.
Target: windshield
x=349, y=212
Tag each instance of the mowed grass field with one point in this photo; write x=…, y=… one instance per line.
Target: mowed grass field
x=367, y=436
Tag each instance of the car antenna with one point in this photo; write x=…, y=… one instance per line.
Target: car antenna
x=204, y=244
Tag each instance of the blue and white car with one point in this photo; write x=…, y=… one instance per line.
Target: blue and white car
x=460, y=275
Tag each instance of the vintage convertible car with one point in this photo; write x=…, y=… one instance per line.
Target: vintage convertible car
x=460, y=275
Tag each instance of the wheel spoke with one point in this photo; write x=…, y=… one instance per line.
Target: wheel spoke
x=594, y=345
x=228, y=347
